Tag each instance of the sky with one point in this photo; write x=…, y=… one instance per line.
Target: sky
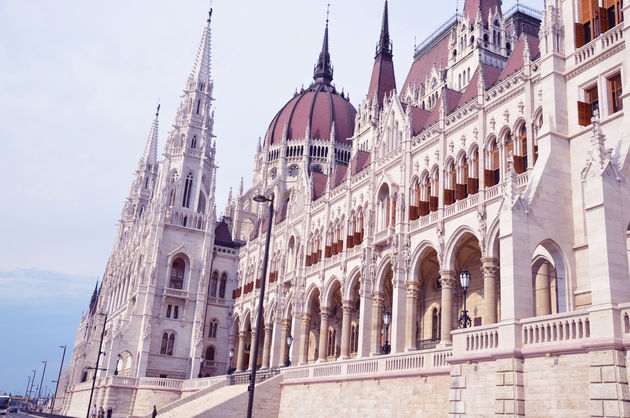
x=79, y=84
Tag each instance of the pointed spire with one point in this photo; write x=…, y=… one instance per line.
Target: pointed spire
x=201, y=70
x=149, y=157
x=384, y=46
x=323, y=70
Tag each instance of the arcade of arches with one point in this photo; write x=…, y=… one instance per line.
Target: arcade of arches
x=342, y=323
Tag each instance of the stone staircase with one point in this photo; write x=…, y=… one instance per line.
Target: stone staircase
x=221, y=400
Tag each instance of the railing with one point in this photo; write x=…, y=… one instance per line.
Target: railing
x=383, y=235
x=427, y=344
x=195, y=384
x=185, y=218
x=175, y=292
x=602, y=42
x=242, y=378
x=556, y=328
x=159, y=383
x=121, y=381
x=493, y=191
x=486, y=338
x=435, y=360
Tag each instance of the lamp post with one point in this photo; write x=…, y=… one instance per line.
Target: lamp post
x=464, y=280
x=63, y=356
x=28, y=383
x=200, y=366
x=39, y=392
x=230, y=354
x=289, y=342
x=260, y=199
x=28, y=398
x=118, y=357
x=96, y=369
x=387, y=319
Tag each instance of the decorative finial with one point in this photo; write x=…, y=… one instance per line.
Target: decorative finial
x=327, y=13
x=384, y=46
x=323, y=69
x=157, y=112
x=210, y=15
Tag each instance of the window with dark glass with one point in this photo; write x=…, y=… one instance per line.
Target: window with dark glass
x=222, y=285
x=614, y=86
x=177, y=274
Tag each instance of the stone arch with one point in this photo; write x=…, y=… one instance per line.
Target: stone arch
x=381, y=271
x=492, y=239
x=503, y=134
x=454, y=240
x=550, y=251
x=417, y=257
x=330, y=286
x=355, y=279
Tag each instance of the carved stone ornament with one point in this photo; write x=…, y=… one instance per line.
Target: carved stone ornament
x=147, y=330
x=493, y=124
x=406, y=253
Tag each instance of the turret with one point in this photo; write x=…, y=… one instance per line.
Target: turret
x=383, y=79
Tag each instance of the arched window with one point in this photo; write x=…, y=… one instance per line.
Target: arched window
x=492, y=174
x=193, y=142
x=354, y=338
x=164, y=343
x=178, y=269
x=331, y=342
x=187, y=190
x=214, y=279
x=435, y=324
x=520, y=161
x=171, y=345
x=222, y=285
x=509, y=146
x=212, y=332
x=210, y=353
x=473, y=173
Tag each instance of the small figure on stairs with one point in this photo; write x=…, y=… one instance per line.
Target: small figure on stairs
x=154, y=414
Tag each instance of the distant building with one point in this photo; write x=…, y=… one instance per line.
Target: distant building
x=502, y=155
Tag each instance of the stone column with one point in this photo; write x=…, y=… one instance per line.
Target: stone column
x=306, y=326
x=377, y=318
x=323, y=334
x=543, y=291
x=412, y=314
x=447, y=281
x=365, y=318
x=252, y=360
x=489, y=269
x=267, y=346
x=240, y=356
x=345, y=329
x=286, y=328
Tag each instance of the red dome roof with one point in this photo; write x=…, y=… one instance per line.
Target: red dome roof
x=318, y=107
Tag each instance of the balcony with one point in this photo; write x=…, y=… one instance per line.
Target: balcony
x=176, y=293
x=384, y=236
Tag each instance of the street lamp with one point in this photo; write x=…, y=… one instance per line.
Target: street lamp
x=63, y=356
x=260, y=199
x=387, y=319
x=464, y=280
x=289, y=342
x=28, y=398
x=231, y=354
x=200, y=366
x=118, y=357
x=39, y=392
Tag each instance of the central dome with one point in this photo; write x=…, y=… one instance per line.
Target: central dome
x=311, y=113
x=316, y=108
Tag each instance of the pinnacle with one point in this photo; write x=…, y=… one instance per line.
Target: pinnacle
x=323, y=70
x=201, y=69
x=149, y=157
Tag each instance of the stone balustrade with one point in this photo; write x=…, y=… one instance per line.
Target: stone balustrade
x=434, y=361
x=604, y=41
x=185, y=218
x=476, y=339
x=159, y=383
x=554, y=329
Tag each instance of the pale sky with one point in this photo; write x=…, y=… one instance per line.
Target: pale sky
x=79, y=83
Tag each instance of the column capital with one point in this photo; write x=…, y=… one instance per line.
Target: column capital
x=242, y=335
x=447, y=279
x=325, y=312
x=286, y=323
x=269, y=328
x=377, y=298
x=306, y=316
x=490, y=266
x=347, y=309
x=413, y=289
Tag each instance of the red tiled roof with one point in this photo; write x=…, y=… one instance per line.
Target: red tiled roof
x=437, y=55
x=471, y=7
x=452, y=99
x=383, y=79
x=319, y=184
x=319, y=105
x=418, y=118
x=340, y=175
x=516, y=61
x=360, y=161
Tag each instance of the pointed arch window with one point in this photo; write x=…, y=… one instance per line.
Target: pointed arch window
x=492, y=174
x=212, y=331
x=193, y=142
x=435, y=324
x=222, y=285
x=210, y=353
x=171, y=345
x=178, y=269
x=187, y=190
x=214, y=279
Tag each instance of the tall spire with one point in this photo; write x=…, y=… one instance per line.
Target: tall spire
x=383, y=80
x=324, y=70
x=201, y=70
x=149, y=158
x=384, y=46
